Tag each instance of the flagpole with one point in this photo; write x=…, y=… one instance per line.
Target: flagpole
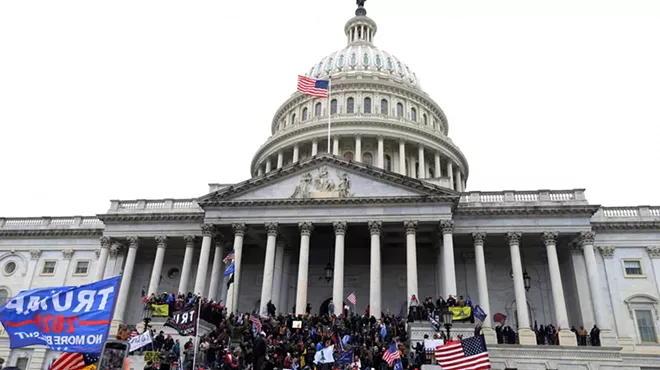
x=199, y=307
x=329, y=111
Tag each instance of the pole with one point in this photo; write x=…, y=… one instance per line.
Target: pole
x=199, y=307
x=329, y=112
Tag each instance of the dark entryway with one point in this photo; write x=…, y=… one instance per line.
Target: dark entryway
x=323, y=310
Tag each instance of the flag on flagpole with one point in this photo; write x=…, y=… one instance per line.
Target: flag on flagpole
x=391, y=354
x=229, y=257
x=479, y=313
x=230, y=269
x=470, y=353
x=312, y=87
x=351, y=298
x=74, y=361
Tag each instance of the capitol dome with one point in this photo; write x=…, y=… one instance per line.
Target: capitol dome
x=378, y=116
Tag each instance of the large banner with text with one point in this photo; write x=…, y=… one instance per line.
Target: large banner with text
x=69, y=319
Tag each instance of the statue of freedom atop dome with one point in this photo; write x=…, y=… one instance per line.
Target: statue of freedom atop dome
x=360, y=3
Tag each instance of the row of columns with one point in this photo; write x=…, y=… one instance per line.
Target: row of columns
x=458, y=185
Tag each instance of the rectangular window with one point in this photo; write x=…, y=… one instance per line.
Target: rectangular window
x=646, y=326
x=49, y=268
x=81, y=268
x=633, y=268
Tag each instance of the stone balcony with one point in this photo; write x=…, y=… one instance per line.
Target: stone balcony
x=188, y=205
x=32, y=226
x=627, y=214
x=523, y=198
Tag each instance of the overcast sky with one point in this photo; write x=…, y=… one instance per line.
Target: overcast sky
x=156, y=99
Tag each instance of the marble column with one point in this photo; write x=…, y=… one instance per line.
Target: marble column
x=381, y=152
x=440, y=269
x=437, y=171
x=277, y=275
x=187, y=263
x=272, y=229
x=459, y=181
x=358, y=148
x=654, y=255
x=296, y=152
x=525, y=334
x=411, y=259
x=103, y=258
x=402, y=157
x=586, y=240
x=158, y=265
x=450, y=173
x=260, y=171
x=284, y=289
x=315, y=147
x=335, y=145
x=234, y=290
x=218, y=270
x=303, y=266
x=421, y=163
x=374, y=274
x=126, y=280
x=67, y=254
x=449, y=268
x=268, y=165
x=566, y=336
x=208, y=232
x=482, y=285
x=338, y=275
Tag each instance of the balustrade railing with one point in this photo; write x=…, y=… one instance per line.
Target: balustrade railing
x=154, y=205
x=638, y=213
x=539, y=196
x=74, y=222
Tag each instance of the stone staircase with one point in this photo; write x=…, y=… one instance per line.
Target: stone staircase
x=417, y=330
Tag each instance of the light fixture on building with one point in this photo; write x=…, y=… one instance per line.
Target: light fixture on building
x=448, y=318
x=328, y=272
x=527, y=280
x=147, y=314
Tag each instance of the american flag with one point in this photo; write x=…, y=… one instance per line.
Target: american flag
x=74, y=361
x=392, y=354
x=257, y=322
x=229, y=257
x=312, y=87
x=468, y=354
x=351, y=298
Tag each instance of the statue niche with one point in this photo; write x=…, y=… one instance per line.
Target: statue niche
x=322, y=186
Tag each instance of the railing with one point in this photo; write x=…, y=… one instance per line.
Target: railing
x=74, y=222
x=154, y=205
x=639, y=213
x=575, y=196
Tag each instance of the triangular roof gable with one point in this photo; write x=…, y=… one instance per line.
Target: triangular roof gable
x=363, y=180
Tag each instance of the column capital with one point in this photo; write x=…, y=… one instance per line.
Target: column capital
x=189, y=240
x=208, y=230
x=549, y=237
x=410, y=226
x=653, y=251
x=306, y=228
x=576, y=248
x=67, y=253
x=340, y=227
x=161, y=240
x=358, y=136
x=375, y=227
x=447, y=226
x=239, y=229
x=105, y=242
x=607, y=251
x=514, y=237
x=272, y=228
x=35, y=253
x=478, y=238
x=133, y=241
x=586, y=237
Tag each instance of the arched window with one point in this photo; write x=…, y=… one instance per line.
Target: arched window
x=368, y=158
x=317, y=110
x=388, y=163
x=383, y=106
x=333, y=106
x=304, y=114
x=350, y=105
x=367, y=105
x=399, y=110
x=413, y=114
x=348, y=156
x=293, y=119
x=426, y=121
x=4, y=296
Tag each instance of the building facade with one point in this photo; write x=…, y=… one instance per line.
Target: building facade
x=379, y=210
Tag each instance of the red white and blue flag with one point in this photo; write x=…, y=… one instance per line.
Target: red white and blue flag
x=468, y=354
x=312, y=87
x=229, y=257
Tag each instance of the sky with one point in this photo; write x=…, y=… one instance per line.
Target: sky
x=157, y=99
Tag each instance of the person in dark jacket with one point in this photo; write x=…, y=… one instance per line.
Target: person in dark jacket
x=259, y=350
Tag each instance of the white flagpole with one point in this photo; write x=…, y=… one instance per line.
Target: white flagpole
x=329, y=112
x=199, y=306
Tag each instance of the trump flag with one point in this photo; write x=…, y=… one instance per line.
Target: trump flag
x=69, y=319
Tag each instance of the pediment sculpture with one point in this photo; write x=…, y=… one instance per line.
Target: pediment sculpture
x=323, y=186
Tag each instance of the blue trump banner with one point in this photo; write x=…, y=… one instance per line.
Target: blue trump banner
x=70, y=319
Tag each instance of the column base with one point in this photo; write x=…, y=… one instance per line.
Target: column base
x=526, y=337
x=489, y=335
x=114, y=328
x=567, y=338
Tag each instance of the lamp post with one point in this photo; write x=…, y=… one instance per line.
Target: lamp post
x=147, y=314
x=448, y=318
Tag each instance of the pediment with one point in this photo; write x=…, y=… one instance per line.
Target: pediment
x=327, y=177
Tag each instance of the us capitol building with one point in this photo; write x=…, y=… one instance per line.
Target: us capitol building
x=383, y=212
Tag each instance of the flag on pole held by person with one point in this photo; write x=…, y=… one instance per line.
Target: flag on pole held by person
x=257, y=323
x=470, y=353
x=391, y=354
x=74, y=361
x=230, y=269
x=229, y=257
x=312, y=87
x=479, y=313
x=351, y=298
